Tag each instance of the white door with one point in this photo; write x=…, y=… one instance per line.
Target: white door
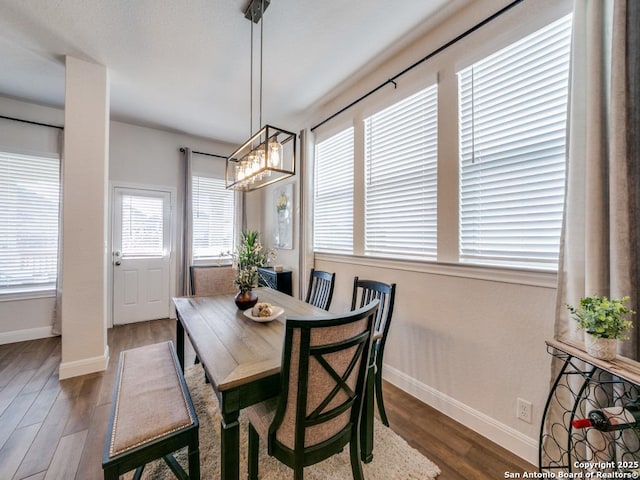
x=141, y=255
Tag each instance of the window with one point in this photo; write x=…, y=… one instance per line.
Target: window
x=333, y=194
x=513, y=108
x=477, y=181
x=400, y=178
x=29, y=202
x=213, y=209
x=142, y=226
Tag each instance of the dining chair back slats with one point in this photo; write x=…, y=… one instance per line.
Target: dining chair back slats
x=370, y=295
x=320, y=290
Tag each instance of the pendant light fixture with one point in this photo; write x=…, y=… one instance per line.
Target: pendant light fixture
x=269, y=154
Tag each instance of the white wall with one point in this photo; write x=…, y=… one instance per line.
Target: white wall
x=261, y=216
x=467, y=346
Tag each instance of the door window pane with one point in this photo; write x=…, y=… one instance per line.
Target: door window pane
x=142, y=226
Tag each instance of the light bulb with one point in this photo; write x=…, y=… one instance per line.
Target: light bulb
x=260, y=158
x=244, y=170
x=256, y=162
x=249, y=163
x=275, y=154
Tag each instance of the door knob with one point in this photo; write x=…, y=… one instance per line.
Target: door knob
x=117, y=263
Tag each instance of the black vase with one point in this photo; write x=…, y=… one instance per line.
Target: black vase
x=245, y=300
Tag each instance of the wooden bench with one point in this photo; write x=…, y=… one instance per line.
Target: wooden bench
x=152, y=415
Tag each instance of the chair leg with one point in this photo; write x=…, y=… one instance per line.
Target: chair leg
x=379, y=400
x=254, y=444
x=298, y=472
x=354, y=455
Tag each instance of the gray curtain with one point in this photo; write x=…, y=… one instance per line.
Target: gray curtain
x=600, y=234
x=302, y=217
x=600, y=229
x=56, y=327
x=187, y=223
x=632, y=112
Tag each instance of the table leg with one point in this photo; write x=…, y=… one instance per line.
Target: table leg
x=366, y=420
x=180, y=342
x=230, y=446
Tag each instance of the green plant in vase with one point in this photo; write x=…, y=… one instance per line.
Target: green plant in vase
x=247, y=279
x=249, y=256
x=605, y=321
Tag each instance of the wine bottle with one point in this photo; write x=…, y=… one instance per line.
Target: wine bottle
x=611, y=418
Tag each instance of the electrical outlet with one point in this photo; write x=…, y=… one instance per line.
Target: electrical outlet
x=523, y=411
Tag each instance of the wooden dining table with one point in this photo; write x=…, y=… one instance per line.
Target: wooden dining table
x=242, y=358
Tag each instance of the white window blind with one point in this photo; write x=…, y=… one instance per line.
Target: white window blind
x=513, y=108
x=142, y=226
x=400, y=178
x=333, y=194
x=29, y=202
x=213, y=209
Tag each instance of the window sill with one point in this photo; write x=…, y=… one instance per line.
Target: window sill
x=212, y=262
x=30, y=295
x=535, y=278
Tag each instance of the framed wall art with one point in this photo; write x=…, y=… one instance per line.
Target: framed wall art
x=283, y=217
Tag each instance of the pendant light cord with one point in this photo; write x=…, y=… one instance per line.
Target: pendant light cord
x=251, y=84
x=261, y=40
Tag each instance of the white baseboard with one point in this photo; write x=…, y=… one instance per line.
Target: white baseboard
x=507, y=437
x=85, y=366
x=25, y=335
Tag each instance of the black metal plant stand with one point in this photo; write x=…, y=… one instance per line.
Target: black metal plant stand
x=585, y=384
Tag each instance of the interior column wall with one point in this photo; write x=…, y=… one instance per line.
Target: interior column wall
x=84, y=232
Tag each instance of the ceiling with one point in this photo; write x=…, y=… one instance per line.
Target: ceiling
x=185, y=65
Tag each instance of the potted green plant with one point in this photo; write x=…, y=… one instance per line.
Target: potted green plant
x=605, y=321
x=250, y=255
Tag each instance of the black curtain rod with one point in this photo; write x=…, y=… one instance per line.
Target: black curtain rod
x=422, y=60
x=182, y=149
x=32, y=123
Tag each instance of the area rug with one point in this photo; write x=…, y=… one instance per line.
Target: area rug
x=393, y=458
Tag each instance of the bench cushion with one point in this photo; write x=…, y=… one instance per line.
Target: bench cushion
x=150, y=402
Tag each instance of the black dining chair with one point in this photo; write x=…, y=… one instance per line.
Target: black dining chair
x=320, y=290
x=365, y=291
x=324, y=366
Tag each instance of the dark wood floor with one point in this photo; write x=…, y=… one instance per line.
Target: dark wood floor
x=55, y=430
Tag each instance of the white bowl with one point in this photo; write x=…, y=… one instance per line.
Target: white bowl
x=277, y=311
